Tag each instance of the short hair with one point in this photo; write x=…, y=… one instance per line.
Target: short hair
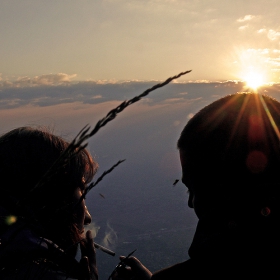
x=233, y=148
x=26, y=154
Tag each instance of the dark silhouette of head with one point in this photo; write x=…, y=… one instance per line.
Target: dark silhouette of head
x=26, y=155
x=230, y=154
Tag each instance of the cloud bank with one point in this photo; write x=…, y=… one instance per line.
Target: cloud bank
x=54, y=89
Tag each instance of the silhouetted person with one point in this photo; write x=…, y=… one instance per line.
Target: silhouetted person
x=230, y=157
x=43, y=217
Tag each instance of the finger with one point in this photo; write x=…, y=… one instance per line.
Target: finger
x=137, y=267
x=91, y=253
x=131, y=261
x=87, y=247
x=88, y=251
x=85, y=270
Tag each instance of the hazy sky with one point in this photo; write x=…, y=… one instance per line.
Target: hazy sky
x=139, y=40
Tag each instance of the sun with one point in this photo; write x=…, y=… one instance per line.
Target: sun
x=254, y=79
x=252, y=67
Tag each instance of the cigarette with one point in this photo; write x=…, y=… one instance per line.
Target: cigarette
x=105, y=250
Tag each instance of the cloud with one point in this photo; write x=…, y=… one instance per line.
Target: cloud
x=97, y=96
x=243, y=27
x=273, y=35
x=262, y=30
x=43, y=80
x=46, y=94
x=246, y=18
x=50, y=90
x=173, y=100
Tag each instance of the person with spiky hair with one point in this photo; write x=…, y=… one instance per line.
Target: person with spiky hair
x=230, y=158
x=43, y=209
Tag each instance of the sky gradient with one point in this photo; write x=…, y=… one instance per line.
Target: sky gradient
x=139, y=40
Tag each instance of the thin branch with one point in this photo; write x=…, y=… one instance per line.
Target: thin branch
x=93, y=184
x=78, y=143
x=90, y=186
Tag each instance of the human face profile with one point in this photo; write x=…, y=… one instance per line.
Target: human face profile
x=82, y=216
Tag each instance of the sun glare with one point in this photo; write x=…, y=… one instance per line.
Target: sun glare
x=252, y=67
x=254, y=80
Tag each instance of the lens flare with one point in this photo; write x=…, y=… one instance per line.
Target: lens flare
x=11, y=220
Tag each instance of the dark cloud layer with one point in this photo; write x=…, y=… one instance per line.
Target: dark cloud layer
x=95, y=93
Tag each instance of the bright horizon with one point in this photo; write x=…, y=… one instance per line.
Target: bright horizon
x=121, y=40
